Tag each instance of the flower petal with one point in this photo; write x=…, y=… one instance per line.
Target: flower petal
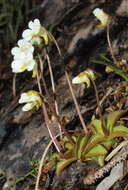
x=20, y=42
x=28, y=107
x=32, y=98
x=15, y=51
x=27, y=34
x=35, y=26
x=24, y=98
x=31, y=65
x=101, y=15
x=17, y=66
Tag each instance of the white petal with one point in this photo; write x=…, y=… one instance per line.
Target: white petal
x=16, y=66
x=31, y=65
x=34, y=98
x=30, y=24
x=24, y=98
x=20, y=42
x=35, y=26
x=28, y=107
x=15, y=51
x=101, y=15
x=97, y=11
x=27, y=34
x=30, y=50
x=37, y=22
x=78, y=79
x=75, y=80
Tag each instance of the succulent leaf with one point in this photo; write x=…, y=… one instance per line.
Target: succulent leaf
x=82, y=146
x=64, y=163
x=97, y=153
x=92, y=144
x=120, y=128
x=117, y=134
x=112, y=118
x=98, y=127
x=107, y=144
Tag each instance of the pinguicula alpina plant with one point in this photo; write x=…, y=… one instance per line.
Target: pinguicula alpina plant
x=92, y=142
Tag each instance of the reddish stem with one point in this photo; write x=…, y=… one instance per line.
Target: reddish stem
x=75, y=102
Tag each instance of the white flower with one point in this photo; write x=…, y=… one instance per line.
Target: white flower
x=36, y=33
x=25, y=48
x=32, y=99
x=20, y=65
x=34, y=29
x=101, y=16
x=84, y=77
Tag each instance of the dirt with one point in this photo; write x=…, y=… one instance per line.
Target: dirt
x=23, y=137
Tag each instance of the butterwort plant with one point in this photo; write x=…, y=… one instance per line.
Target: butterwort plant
x=95, y=140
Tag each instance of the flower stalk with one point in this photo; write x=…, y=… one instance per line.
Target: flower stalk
x=46, y=117
x=50, y=129
x=53, y=89
x=76, y=103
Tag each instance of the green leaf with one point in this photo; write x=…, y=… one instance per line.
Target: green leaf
x=114, y=68
x=68, y=146
x=107, y=144
x=82, y=145
x=92, y=144
x=98, y=127
x=79, y=139
x=117, y=134
x=112, y=118
x=98, y=149
x=64, y=163
x=120, y=128
x=96, y=138
x=104, y=58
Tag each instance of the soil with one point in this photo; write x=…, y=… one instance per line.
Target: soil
x=23, y=137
